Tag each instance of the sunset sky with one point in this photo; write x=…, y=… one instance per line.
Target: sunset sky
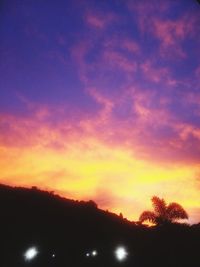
x=101, y=100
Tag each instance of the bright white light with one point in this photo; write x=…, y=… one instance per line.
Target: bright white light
x=30, y=254
x=121, y=253
x=94, y=253
x=53, y=255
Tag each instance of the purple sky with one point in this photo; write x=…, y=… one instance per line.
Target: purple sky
x=125, y=73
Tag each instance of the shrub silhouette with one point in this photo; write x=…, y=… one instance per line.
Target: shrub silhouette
x=163, y=213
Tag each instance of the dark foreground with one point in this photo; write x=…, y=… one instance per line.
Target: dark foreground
x=64, y=231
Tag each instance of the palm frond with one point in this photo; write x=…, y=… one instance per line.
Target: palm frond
x=159, y=206
x=175, y=211
x=148, y=216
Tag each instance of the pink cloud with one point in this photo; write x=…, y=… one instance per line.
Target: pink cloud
x=95, y=21
x=37, y=128
x=108, y=58
x=127, y=44
x=118, y=60
x=153, y=18
x=143, y=11
x=153, y=74
x=143, y=7
x=130, y=45
x=78, y=54
x=107, y=106
x=173, y=33
x=147, y=113
x=115, y=55
x=99, y=20
x=168, y=31
x=142, y=130
x=157, y=74
x=188, y=130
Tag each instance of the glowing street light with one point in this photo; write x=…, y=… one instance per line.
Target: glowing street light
x=94, y=253
x=121, y=253
x=30, y=253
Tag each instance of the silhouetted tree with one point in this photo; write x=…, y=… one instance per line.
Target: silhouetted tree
x=163, y=213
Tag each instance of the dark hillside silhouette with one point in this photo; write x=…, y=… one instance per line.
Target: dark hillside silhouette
x=70, y=229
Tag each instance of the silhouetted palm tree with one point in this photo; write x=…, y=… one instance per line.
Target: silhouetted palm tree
x=163, y=213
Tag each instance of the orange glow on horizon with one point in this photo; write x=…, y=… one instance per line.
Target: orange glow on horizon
x=87, y=167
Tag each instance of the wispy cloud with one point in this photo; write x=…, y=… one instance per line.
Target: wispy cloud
x=98, y=19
